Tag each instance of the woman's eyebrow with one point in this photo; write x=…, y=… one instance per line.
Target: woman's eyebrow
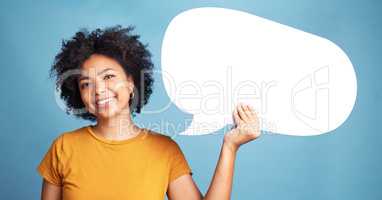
x=104, y=70
x=82, y=77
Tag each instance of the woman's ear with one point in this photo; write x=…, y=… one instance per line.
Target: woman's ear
x=131, y=88
x=130, y=83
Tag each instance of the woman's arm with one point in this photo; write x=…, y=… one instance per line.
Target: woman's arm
x=246, y=130
x=221, y=184
x=50, y=191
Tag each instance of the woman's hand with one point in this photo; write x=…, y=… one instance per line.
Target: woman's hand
x=247, y=128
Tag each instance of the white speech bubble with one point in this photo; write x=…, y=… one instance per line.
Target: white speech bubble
x=299, y=83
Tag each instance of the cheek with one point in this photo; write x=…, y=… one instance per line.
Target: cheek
x=87, y=101
x=86, y=97
x=123, y=95
x=123, y=89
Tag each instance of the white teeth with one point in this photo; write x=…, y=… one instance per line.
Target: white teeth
x=104, y=101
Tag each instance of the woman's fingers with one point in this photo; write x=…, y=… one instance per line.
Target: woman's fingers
x=248, y=112
x=245, y=115
x=236, y=117
x=242, y=113
x=251, y=113
x=247, y=126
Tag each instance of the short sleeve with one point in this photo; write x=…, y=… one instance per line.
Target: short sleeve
x=50, y=167
x=178, y=165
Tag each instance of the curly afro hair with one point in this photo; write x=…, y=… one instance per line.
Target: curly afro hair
x=115, y=42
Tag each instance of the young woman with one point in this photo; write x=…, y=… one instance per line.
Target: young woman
x=106, y=76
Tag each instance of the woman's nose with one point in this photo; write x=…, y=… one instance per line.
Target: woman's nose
x=100, y=87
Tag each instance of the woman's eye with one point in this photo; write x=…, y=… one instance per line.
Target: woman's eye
x=84, y=85
x=108, y=77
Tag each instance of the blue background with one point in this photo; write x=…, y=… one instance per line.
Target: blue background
x=345, y=164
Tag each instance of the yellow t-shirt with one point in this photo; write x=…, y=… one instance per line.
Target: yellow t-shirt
x=88, y=166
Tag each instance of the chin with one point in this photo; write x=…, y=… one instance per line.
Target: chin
x=107, y=113
x=110, y=113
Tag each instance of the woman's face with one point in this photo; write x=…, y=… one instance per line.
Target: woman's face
x=104, y=86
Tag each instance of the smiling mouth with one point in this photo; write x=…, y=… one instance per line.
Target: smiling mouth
x=106, y=101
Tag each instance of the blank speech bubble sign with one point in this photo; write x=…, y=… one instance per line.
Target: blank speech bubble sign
x=214, y=58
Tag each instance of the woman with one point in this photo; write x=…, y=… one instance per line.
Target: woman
x=106, y=76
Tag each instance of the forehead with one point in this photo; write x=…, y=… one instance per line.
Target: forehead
x=98, y=64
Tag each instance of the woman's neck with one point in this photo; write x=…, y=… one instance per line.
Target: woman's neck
x=120, y=127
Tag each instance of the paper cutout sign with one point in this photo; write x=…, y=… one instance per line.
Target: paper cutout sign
x=213, y=58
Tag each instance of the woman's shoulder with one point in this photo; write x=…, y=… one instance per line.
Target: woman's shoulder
x=160, y=137
x=74, y=133
x=166, y=143
x=156, y=135
x=65, y=138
